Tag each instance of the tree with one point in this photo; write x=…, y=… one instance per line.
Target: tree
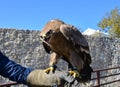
x=111, y=23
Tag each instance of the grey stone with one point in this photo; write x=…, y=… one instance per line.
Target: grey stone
x=25, y=48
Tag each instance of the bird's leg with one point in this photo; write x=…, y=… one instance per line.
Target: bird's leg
x=51, y=68
x=77, y=64
x=74, y=72
x=53, y=60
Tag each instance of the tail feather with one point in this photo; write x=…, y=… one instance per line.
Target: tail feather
x=86, y=73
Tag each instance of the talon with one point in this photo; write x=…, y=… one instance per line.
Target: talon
x=74, y=73
x=49, y=69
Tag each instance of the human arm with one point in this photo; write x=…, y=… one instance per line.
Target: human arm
x=34, y=77
x=13, y=71
x=28, y=76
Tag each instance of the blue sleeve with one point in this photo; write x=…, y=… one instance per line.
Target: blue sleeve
x=13, y=71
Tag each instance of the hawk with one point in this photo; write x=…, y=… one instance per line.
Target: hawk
x=64, y=41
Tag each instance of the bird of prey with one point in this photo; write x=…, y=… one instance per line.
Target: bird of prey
x=64, y=41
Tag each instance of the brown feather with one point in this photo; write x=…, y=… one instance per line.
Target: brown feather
x=72, y=34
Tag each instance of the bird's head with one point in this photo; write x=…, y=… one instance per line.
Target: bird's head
x=46, y=36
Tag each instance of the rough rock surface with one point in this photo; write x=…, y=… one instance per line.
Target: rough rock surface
x=25, y=48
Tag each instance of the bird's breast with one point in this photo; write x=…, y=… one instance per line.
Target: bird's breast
x=60, y=44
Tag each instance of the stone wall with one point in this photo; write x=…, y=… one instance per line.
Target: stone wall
x=24, y=47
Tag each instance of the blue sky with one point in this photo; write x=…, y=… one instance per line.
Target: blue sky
x=34, y=14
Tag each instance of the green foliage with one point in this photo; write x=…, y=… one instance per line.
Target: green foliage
x=111, y=23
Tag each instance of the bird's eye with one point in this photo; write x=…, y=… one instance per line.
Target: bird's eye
x=49, y=32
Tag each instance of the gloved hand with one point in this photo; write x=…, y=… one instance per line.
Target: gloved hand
x=38, y=78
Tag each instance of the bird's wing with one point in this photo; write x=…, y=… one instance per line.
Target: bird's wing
x=73, y=34
x=75, y=37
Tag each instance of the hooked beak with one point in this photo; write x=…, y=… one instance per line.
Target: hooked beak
x=46, y=37
x=43, y=36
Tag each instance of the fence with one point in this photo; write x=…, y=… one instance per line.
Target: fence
x=97, y=78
